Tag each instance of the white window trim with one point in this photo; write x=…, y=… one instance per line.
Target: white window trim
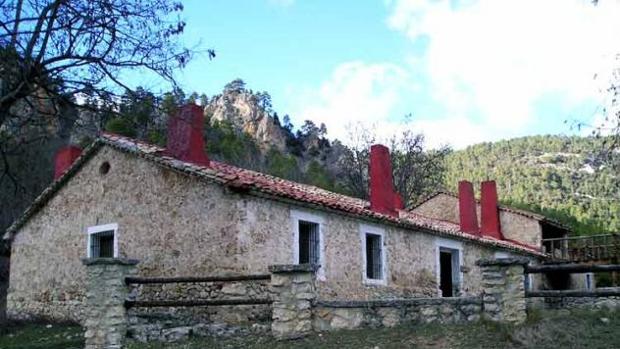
x=297, y=216
x=452, y=245
x=98, y=229
x=371, y=229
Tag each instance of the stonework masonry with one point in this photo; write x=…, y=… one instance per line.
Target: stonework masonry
x=503, y=294
x=514, y=226
x=106, y=316
x=293, y=297
x=177, y=225
x=337, y=315
x=173, y=323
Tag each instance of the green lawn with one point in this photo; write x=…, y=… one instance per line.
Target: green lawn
x=567, y=330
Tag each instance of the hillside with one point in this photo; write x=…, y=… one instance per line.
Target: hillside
x=563, y=177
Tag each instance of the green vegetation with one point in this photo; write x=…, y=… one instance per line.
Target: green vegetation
x=41, y=336
x=583, y=329
x=562, y=177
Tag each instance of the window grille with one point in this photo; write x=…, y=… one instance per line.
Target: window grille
x=374, y=262
x=309, y=243
x=102, y=244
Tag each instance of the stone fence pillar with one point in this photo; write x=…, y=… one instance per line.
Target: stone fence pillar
x=106, y=291
x=503, y=285
x=293, y=297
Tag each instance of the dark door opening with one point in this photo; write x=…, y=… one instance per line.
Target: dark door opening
x=445, y=274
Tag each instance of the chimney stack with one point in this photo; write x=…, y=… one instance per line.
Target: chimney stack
x=489, y=210
x=383, y=197
x=467, y=208
x=185, y=135
x=64, y=158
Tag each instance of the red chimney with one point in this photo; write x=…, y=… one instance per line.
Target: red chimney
x=64, y=158
x=489, y=211
x=383, y=198
x=185, y=136
x=467, y=208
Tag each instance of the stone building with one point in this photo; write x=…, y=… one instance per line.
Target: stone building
x=181, y=214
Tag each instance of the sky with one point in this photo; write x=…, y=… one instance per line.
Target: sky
x=466, y=71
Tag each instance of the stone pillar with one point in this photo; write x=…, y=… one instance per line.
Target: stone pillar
x=106, y=292
x=293, y=297
x=503, y=284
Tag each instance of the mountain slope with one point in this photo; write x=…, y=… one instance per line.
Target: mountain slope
x=562, y=177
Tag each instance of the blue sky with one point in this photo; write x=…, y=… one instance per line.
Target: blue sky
x=468, y=71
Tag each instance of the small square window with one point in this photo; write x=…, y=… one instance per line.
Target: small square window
x=102, y=244
x=374, y=257
x=102, y=241
x=309, y=243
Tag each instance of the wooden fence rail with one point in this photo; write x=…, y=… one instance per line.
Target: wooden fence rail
x=192, y=279
x=600, y=247
x=196, y=303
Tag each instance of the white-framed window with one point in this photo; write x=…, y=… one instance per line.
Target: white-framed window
x=102, y=241
x=448, y=262
x=374, y=266
x=309, y=244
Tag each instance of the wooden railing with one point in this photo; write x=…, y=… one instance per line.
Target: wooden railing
x=603, y=247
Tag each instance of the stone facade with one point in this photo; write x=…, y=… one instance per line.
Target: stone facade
x=106, y=316
x=514, y=226
x=503, y=281
x=337, y=315
x=178, y=225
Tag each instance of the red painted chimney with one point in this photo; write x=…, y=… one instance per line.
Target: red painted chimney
x=185, y=136
x=383, y=198
x=467, y=208
x=489, y=210
x=64, y=158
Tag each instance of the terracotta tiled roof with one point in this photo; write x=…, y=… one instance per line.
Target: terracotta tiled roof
x=261, y=184
x=537, y=216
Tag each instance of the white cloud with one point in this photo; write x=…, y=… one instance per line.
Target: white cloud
x=355, y=92
x=498, y=57
x=485, y=67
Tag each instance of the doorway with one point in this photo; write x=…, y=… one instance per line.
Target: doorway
x=449, y=272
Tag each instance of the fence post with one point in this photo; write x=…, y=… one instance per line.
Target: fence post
x=293, y=297
x=106, y=291
x=503, y=284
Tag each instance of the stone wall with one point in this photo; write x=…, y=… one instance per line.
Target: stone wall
x=570, y=303
x=503, y=282
x=336, y=315
x=177, y=225
x=173, y=323
x=105, y=313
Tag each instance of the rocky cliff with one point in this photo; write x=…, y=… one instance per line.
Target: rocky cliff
x=241, y=109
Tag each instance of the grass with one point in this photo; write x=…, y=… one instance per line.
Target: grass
x=585, y=329
x=41, y=336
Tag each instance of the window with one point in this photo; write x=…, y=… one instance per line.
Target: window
x=308, y=243
x=374, y=265
x=373, y=252
x=102, y=241
x=309, y=246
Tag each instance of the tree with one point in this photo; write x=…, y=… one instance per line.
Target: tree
x=416, y=170
x=56, y=52
x=235, y=86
